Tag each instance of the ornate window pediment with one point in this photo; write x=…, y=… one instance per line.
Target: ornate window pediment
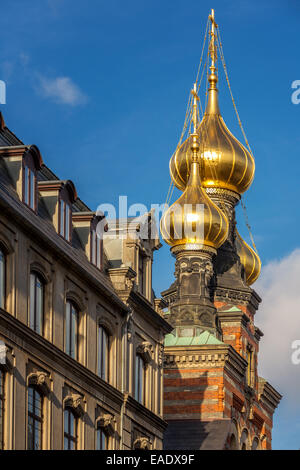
x=74, y=402
x=142, y=443
x=107, y=423
x=145, y=349
x=41, y=381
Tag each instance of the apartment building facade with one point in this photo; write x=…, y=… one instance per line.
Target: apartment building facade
x=81, y=335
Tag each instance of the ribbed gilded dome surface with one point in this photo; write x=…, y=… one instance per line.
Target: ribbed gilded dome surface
x=249, y=259
x=179, y=221
x=227, y=164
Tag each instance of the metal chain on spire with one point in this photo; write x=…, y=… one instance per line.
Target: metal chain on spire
x=220, y=47
x=188, y=114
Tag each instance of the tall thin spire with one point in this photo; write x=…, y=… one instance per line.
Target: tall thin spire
x=213, y=105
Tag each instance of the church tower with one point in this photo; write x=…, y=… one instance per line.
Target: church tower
x=213, y=396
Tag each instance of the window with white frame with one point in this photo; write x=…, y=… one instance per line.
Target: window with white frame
x=34, y=419
x=140, y=372
x=103, y=353
x=101, y=439
x=70, y=430
x=36, y=307
x=71, y=329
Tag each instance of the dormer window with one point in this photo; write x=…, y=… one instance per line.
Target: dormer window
x=32, y=162
x=89, y=228
x=58, y=197
x=64, y=219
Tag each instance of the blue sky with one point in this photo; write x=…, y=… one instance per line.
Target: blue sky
x=101, y=87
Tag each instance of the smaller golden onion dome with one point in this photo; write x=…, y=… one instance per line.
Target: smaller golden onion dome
x=249, y=259
x=194, y=219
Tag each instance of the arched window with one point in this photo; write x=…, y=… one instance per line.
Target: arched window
x=35, y=419
x=255, y=444
x=103, y=353
x=2, y=278
x=232, y=442
x=71, y=330
x=140, y=372
x=244, y=440
x=36, y=310
x=2, y=401
x=70, y=430
x=102, y=439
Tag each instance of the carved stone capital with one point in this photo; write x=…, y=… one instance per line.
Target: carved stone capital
x=145, y=349
x=74, y=402
x=107, y=423
x=41, y=381
x=142, y=443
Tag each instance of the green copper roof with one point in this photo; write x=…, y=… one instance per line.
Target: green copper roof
x=232, y=309
x=204, y=338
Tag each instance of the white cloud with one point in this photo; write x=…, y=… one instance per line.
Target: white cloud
x=279, y=319
x=62, y=90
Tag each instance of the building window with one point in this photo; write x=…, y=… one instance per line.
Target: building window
x=2, y=399
x=36, y=311
x=102, y=440
x=71, y=329
x=103, y=353
x=96, y=249
x=64, y=220
x=29, y=187
x=70, y=430
x=2, y=278
x=35, y=419
x=140, y=372
x=249, y=367
x=142, y=274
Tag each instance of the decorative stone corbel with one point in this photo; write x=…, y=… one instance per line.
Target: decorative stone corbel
x=107, y=423
x=41, y=380
x=122, y=279
x=142, y=443
x=74, y=402
x=161, y=355
x=6, y=357
x=159, y=305
x=144, y=349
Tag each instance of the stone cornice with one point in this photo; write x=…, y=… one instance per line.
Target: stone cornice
x=136, y=299
x=230, y=295
x=234, y=317
x=145, y=413
x=267, y=395
x=222, y=355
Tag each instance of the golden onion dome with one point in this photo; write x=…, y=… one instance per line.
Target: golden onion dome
x=249, y=259
x=226, y=163
x=194, y=219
